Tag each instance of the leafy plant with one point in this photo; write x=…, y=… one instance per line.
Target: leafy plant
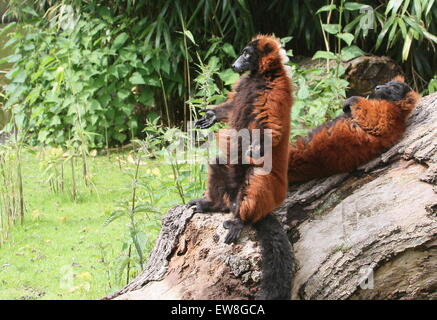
x=142, y=227
x=318, y=98
x=341, y=53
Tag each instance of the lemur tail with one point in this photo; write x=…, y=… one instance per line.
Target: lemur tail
x=277, y=260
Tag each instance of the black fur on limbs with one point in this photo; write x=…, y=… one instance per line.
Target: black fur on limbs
x=277, y=260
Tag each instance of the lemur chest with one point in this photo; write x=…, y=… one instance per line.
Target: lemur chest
x=248, y=91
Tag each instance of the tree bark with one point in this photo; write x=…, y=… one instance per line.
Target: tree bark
x=368, y=234
x=363, y=73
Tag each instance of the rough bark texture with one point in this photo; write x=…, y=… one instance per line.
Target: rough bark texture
x=366, y=72
x=368, y=234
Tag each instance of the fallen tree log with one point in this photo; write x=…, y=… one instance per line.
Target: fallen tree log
x=367, y=234
x=363, y=73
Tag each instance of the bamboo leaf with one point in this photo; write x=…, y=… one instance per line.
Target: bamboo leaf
x=407, y=46
x=352, y=6
x=190, y=36
x=384, y=30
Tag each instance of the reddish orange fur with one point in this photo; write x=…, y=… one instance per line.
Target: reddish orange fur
x=266, y=192
x=272, y=107
x=375, y=125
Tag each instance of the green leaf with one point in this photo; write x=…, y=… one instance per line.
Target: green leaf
x=391, y=35
x=123, y=70
x=285, y=40
x=146, y=97
x=228, y=76
x=14, y=58
x=384, y=30
x=303, y=92
x=403, y=27
x=229, y=50
x=119, y=40
x=59, y=75
x=20, y=77
x=331, y=28
x=430, y=36
x=352, y=6
x=393, y=6
x=94, y=105
x=123, y=94
x=407, y=46
x=324, y=55
x=10, y=42
x=189, y=35
x=120, y=137
x=346, y=37
x=351, y=52
x=8, y=27
x=417, y=8
x=113, y=216
x=137, y=78
x=328, y=7
x=42, y=135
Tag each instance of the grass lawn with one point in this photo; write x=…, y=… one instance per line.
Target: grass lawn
x=63, y=251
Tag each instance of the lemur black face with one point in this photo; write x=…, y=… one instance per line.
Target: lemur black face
x=248, y=61
x=392, y=91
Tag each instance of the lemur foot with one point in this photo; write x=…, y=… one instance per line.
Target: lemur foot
x=202, y=205
x=235, y=227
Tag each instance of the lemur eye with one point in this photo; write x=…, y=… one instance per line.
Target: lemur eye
x=246, y=55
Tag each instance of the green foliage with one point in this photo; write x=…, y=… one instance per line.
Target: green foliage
x=432, y=86
x=318, y=98
x=137, y=237
x=404, y=30
x=79, y=75
x=71, y=62
x=85, y=68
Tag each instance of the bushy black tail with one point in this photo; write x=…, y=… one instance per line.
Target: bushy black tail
x=277, y=260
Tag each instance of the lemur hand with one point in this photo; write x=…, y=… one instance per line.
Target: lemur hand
x=207, y=120
x=347, y=105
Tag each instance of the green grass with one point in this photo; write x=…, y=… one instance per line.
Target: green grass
x=63, y=251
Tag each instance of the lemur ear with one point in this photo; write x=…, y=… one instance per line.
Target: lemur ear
x=399, y=78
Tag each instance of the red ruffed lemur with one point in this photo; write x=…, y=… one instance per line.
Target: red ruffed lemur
x=261, y=99
x=366, y=129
